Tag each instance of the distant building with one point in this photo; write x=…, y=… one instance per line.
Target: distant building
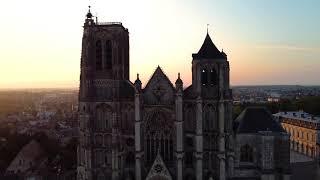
x=45, y=115
x=262, y=147
x=304, y=129
x=274, y=97
x=28, y=159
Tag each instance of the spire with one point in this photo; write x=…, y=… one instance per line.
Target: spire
x=223, y=53
x=179, y=84
x=89, y=15
x=179, y=81
x=138, y=83
x=208, y=50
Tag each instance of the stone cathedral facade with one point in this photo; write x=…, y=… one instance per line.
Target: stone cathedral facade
x=157, y=131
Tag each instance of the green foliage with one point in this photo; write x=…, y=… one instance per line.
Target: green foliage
x=69, y=155
x=51, y=146
x=309, y=104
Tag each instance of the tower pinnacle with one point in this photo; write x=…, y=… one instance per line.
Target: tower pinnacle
x=89, y=15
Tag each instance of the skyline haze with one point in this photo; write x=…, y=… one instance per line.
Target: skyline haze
x=266, y=42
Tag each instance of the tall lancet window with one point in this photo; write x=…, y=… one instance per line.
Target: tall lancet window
x=159, y=137
x=246, y=153
x=213, y=77
x=204, y=77
x=103, y=118
x=108, y=55
x=98, y=55
x=209, y=118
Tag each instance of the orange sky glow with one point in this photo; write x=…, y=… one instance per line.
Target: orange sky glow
x=41, y=41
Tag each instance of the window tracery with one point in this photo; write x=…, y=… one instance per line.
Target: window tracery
x=213, y=77
x=159, y=136
x=103, y=117
x=204, y=77
x=108, y=54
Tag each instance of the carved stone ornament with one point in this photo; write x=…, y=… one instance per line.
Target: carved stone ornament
x=158, y=92
x=158, y=170
x=103, y=83
x=158, y=124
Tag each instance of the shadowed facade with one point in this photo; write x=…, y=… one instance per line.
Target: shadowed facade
x=159, y=131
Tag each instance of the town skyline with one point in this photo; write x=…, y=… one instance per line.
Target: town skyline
x=262, y=49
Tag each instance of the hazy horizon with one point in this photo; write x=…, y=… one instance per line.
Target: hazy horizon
x=77, y=88
x=267, y=42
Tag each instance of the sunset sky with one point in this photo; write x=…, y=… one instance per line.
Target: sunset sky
x=267, y=41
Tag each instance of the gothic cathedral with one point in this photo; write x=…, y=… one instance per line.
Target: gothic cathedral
x=161, y=131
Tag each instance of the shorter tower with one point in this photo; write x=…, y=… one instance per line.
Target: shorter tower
x=207, y=114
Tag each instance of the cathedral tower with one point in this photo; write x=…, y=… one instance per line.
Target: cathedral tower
x=207, y=114
x=106, y=103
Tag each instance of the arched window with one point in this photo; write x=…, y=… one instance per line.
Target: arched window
x=99, y=140
x=98, y=55
x=131, y=119
x=107, y=158
x=204, y=77
x=246, y=153
x=103, y=118
x=108, y=55
x=189, y=158
x=159, y=137
x=99, y=158
x=189, y=119
x=209, y=118
x=213, y=77
x=107, y=140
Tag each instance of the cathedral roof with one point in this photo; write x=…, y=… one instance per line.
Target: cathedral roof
x=255, y=119
x=209, y=51
x=188, y=93
x=157, y=75
x=126, y=89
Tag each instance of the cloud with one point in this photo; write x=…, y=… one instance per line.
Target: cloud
x=289, y=48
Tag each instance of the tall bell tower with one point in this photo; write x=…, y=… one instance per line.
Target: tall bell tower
x=213, y=135
x=105, y=90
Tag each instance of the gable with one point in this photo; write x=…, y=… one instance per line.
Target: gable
x=159, y=89
x=159, y=170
